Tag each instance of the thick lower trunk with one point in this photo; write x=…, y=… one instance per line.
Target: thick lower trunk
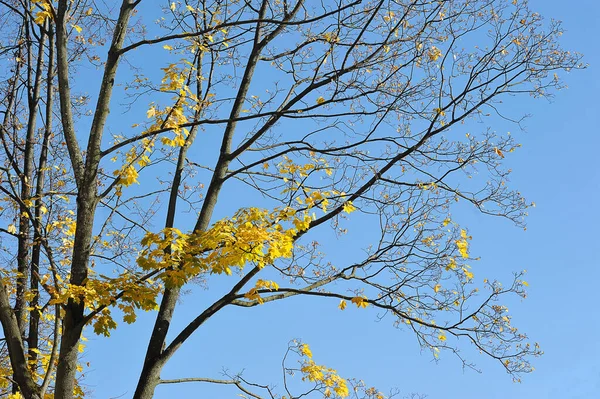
x=154, y=362
x=73, y=321
x=86, y=174
x=67, y=361
x=16, y=349
x=149, y=379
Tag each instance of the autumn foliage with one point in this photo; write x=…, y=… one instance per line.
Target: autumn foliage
x=148, y=148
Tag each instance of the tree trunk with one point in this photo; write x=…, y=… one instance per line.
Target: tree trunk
x=86, y=175
x=16, y=349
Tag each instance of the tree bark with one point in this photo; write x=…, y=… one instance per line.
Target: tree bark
x=16, y=349
x=155, y=357
x=86, y=175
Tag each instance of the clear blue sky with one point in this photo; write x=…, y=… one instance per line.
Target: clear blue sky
x=558, y=168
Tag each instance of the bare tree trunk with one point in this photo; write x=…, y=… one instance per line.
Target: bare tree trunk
x=86, y=173
x=154, y=360
x=16, y=349
x=34, y=314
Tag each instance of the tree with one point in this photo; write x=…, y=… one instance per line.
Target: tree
x=317, y=113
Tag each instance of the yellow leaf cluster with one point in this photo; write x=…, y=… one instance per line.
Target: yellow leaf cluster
x=468, y=274
x=316, y=198
x=331, y=37
x=305, y=351
x=360, y=302
x=174, y=80
x=333, y=383
x=101, y=291
x=252, y=235
x=451, y=264
x=45, y=13
x=434, y=53
x=439, y=111
x=253, y=293
x=349, y=207
x=389, y=16
x=128, y=174
x=287, y=167
x=462, y=244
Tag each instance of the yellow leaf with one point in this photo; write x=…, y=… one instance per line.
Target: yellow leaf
x=77, y=28
x=41, y=16
x=12, y=228
x=434, y=53
x=348, y=207
x=89, y=11
x=525, y=283
x=173, y=6
x=360, y=302
x=439, y=111
x=451, y=265
x=342, y=305
x=498, y=152
x=305, y=350
x=442, y=337
x=151, y=112
x=167, y=47
x=320, y=100
x=468, y=274
x=437, y=287
x=462, y=246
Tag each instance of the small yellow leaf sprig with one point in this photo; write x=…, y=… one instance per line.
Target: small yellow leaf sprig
x=172, y=118
x=253, y=293
x=128, y=173
x=293, y=173
x=463, y=245
x=44, y=13
x=334, y=385
x=360, y=301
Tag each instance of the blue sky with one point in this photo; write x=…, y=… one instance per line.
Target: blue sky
x=557, y=168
